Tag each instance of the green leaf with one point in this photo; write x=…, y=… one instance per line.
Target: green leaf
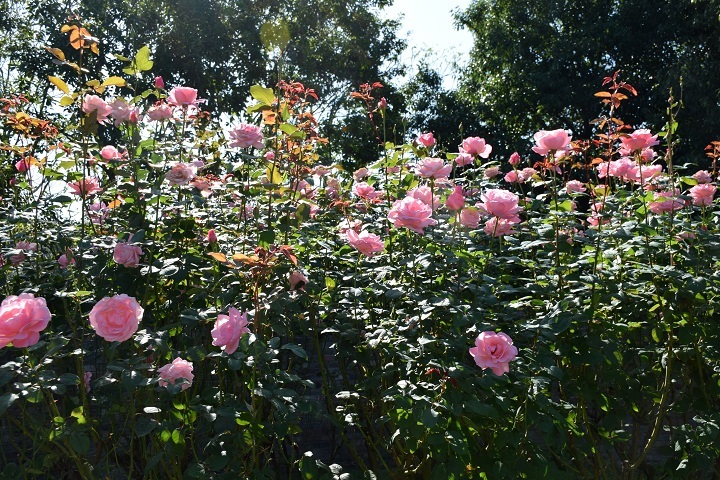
x=296, y=349
x=6, y=400
x=66, y=100
x=275, y=34
x=288, y=128
x=79, y=442
x=265, y=96
x=266, y=238
x=142, y=59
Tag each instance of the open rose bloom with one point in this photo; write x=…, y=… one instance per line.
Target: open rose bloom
x=22, y=318
x=366, y=243
x=116, y=318
x=175, y=371
x=411, y=213
x=229, y=329
x=494, y=351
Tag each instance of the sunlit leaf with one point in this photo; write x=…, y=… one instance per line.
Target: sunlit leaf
x=59, y=83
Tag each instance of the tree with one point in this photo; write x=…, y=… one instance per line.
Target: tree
x=537, y=65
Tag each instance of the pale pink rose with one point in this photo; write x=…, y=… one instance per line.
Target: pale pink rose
x=360, y=173
x=160, y=111
x=470, y=217
x=29, y=246
x=322, y=171
x=93, y=103
x=463, y=159
x=86, y=380
x=641, y=174
x=639, y=140
x=425, y=195
x=98, y=212
x=181, y=174
x=109, y=152
x=411, y=213
x=491, y=172
x=526, y=174
x=456, y=200
x=476, y=146
x=433, y=168
x=494, y=351
x=665, y=202
x=364, y=191
x=211, y=236
x=173, y=372
x=22, y=318
x=126, y=254
x=550, y=141
x=182, y=96
x=427, y=140
x=500, y=203
x=346, y=225
x=514, y=159
x=366, y=243
x=159, y=83
x=647, y=155
x=116, y=318
x=229, y=329
x=702, y=176
x=246, y=136
x=575, y=186
x=703, y=194
x=499, y=227
x=123, y=112
x=395, y=169
x=297, y=280
x=512, y=177
x=85, y=186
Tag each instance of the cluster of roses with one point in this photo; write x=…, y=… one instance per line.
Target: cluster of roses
x=115, y=319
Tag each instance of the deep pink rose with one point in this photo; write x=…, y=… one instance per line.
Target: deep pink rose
x=703, y=194
x=126, y=254
x=65, y=261
x=638, y=140
x=211, y=236
x=426, y=140
x=93, y=103
x=246, y=136
x=476, y=146
x=456, y=200
x=514, y=159
x=433, y=168
x=172, y=372
x=366, y=243
x=297, y=280
x=500, y=203
x=159, y=83
x=182, y=96
x=494, y=351
x=181, y=174
x=22, y=318
x=116, y=318
x=547, y=141
x=23, y=165
x=229, y=329
x=411, y=213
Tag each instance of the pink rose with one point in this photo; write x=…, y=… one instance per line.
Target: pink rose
x=456, y=200
x=211, y=236
x=702, y=176
x=116, y=318
x=126, y=254
x=93, y=103
x=182, y=96
x=22, y=318
x=665, y=202
x=109, y=152
x=547, y=141
x=159, y=83
x=642, y=174
x=463, y=159
x=427, y=140
x=499, y=227
x=64, y=261
x=160, y=111
x=425, y=195
x=491, y=172
x=85, y=186
x=703, y=194
x=411, y=213
x=494, y=351
x=638, y=140
x=246, y=136
x=181, y=174
x=123, y=112
x=500, y=203
x=322, y=171
x=297, y=280
x=360, y=173
x=172, y=372
x=366, y=243
x=23, y=165
x=514, y=159
x=575, y=186
x=476, y=146
x=470, y=217
x=229, y=329
x=382, y=104
x=433, y=168
x=364, y=191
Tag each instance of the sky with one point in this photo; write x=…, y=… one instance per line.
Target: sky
x=428, y=25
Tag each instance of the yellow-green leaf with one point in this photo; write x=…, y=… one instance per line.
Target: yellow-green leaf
x=66, y=100
x=142, y=59
x=117, y=81
x=266, y=96
x=59, y=83
x=273, y=175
